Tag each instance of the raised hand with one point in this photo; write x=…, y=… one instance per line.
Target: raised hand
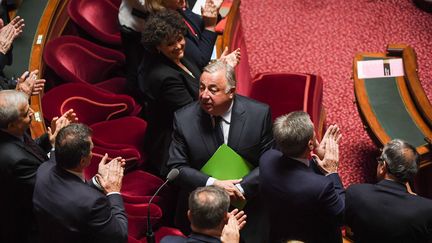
x=58, y=123
x=18, y=25
x=111, y=180
x=232, y=58
x=333, y=132
x=30, y=84
x=7, y=35
x=231, y=231
x=330, y=163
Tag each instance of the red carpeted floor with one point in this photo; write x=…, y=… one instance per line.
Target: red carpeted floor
x=322, y=37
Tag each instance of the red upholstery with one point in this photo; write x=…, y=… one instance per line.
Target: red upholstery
x=91, y=104
x=99, y=18
x=140, y=183
x=131, y=155
x=137, y=218
x=126, y=131
x=74, y=59
x=286, y=92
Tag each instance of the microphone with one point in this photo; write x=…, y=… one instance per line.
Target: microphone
x=170, y=177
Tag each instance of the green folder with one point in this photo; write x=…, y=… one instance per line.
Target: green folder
x=226, y=164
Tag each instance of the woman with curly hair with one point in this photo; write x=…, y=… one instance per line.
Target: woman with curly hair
x=166, y=79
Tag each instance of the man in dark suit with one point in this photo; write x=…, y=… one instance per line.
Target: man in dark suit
x=305, y=197
x=20, y=158
x=210, y=220
x=386, y=211
x=68, y=209
x=219, y=117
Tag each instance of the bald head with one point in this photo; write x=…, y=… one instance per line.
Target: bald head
x=208, y=207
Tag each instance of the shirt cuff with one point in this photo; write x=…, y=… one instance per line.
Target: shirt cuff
x=111, y=193
x=210, y=181
x=331, y=173
x=96, y=183
x=240, y=188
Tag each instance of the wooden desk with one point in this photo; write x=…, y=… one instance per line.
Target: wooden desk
x=395, y=107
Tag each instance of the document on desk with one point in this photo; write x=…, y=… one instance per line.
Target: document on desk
x=380, y=68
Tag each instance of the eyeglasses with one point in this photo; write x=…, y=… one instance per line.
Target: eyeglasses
x=380, y=159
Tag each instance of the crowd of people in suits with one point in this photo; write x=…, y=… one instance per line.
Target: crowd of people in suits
x=292, y=192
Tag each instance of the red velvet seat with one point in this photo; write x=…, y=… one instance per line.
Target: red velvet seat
x=123, y=131
x=89, y=103
x=138, y=186
x=286, y=92
x=131, y=155
x=98, y=18
x=137, y=218
x=77, y=60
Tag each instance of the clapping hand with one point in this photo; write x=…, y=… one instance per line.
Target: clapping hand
x=9, y=32
x=110, y=174
x=232, y=58
x=30, y=84
x=58, y=123
x=231, y=231
x=333, y=133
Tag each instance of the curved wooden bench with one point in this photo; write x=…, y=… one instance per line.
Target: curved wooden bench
x=395, y=107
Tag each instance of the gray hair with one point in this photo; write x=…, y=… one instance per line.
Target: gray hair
x=218, y=65
x=10, y=100
x=208, y=206
x=402, y=159
x=292, y=132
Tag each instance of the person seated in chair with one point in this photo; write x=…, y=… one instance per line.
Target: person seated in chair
x=210, y=219
x=386, y=211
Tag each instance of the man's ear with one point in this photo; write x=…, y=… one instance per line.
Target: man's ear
x=189, y=215
x=232, y=92
x=311, y=144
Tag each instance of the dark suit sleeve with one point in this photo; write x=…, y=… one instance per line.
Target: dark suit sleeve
x=44, y=143
x=250, y=183
x=109, y=219
x=201, y=46
x=178, y=158
x=333, y=197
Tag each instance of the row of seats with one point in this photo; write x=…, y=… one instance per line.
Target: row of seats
x=90, y=67
x=91, y=81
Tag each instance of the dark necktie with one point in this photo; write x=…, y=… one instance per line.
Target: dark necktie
x=34, y=148
x=218, y=130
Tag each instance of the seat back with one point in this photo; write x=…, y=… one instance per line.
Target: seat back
x=287, y=92
x=131, y=155
x=89, y=103
x=98, y=18
x=74, y=59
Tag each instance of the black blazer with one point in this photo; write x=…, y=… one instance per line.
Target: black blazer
x=199, y=47
x=193, y=238
x=386, y=212
x=303, y=204
x=69, y=210
x=195, y=141
x=18, y=166
x=165, y=88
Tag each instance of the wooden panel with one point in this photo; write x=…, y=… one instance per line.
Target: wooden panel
x=50, y=26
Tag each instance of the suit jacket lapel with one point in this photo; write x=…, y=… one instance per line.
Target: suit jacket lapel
x=12, y=139
x=238, y=116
